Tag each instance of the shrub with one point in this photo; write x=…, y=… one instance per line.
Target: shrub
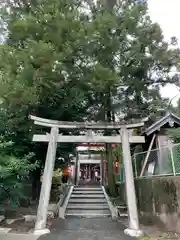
x=13, y=173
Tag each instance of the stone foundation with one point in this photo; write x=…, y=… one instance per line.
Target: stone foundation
x=158, y=200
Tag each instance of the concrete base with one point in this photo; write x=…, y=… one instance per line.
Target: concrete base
x=133, y=233
x=41, y=231
x=30, y=218
x=2, y=218
x=4, y=230
x=114, y=218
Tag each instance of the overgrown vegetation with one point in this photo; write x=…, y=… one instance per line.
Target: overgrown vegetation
x=13, y=173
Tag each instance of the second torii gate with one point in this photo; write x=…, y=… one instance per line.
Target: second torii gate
x=54, y=137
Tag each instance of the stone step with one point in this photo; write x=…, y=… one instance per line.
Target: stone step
x=88, y=206
x=86, y=213
x=122, y=209
x=123, y=215
x=88, y=200
x=87, y=189
x=87, y=192
x=87, y=196
x=88, y=186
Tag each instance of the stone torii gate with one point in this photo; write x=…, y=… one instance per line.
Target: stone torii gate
x=54, y=137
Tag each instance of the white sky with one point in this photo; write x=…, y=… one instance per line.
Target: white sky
x=167, y=14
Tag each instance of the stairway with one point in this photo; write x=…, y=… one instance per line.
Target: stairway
x=87, y=201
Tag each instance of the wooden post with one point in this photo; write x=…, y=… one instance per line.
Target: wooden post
x=147, y=156
x=133, y=229
x=40, y=226
x=76, y=169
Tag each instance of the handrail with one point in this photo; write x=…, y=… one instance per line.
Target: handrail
x=113, y=210
x=64, y=203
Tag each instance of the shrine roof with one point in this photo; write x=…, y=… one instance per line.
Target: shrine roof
x=169, y=120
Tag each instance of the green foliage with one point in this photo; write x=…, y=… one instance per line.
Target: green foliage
x=176, y=157
x=144, y=238
x=117, y=153
x=138, y=158
x=41, y=72
x=13, y=172
x=57, y=176
x=60, y=60
x=175, y=133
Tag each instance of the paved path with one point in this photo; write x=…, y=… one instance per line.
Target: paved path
x=87, y=229
x=15, y=236
x=78, y=229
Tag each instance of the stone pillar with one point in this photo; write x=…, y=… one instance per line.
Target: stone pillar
x=133, y=229
x=40, y=226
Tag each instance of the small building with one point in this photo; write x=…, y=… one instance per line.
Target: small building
x=155, y=157
x=88, y=160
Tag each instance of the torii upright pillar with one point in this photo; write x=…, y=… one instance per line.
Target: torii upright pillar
x=133, y=229
x=40, y=226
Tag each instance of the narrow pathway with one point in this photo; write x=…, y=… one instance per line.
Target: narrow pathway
x=86, y=229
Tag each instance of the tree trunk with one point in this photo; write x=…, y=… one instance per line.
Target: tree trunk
x=111, y=177
x=109, y=155
x=36, y=184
